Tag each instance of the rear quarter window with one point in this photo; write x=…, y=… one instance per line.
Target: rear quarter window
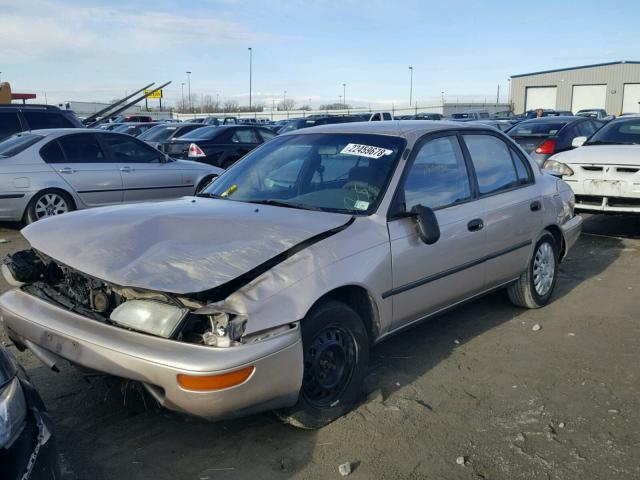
x=18, y=143
x=9, y=124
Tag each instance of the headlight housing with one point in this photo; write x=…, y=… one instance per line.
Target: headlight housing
x=157, y=318
x=557, y=167
x=13, y=411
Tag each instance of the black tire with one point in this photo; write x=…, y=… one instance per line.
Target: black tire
x=524, y=292
x=336, y=356
x=33, y=215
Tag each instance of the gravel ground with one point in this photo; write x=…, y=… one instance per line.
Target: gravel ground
x=475, y=394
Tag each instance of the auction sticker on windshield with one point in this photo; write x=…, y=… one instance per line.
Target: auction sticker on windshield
x=365, y=150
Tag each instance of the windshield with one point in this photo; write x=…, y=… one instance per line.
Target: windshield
x=536, y=129
x=344, y=173
x=625, y=132
x=17, y=143
x=204, y=133
x=158, y=133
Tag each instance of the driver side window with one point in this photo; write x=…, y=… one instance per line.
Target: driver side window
x=438, y=177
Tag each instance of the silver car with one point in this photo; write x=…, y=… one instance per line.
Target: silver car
x=49, y=172
x=267, y=290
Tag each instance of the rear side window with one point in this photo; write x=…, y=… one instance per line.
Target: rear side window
x=493, y=163
x=18, y=143
x=521, y=170
x=82, y=148
x=438, y=176
x=244, y=135
x=9, y=124
x=386, y=116
x=128, y=150
x=37, y=120
x=586, y=129
x=52, y=153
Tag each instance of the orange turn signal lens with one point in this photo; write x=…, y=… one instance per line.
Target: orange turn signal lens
x=206, y=383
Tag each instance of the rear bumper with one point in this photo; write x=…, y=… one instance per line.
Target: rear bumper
x=53, y=333
x=571, y=231
x=13, y=205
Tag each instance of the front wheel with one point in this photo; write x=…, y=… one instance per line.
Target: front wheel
x=336, y=355
x=535, y=286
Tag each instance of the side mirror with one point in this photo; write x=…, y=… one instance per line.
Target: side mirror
x=578, y=142
x=427, y=224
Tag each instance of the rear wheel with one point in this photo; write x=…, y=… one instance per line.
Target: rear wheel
x=48, y=203
x=336, y=354
x=535, y=286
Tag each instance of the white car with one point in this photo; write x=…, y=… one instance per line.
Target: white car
x=604, y=173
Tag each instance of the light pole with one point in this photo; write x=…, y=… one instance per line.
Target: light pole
x=509, y=93
x=410, y=85
x=344, y=94
x=250, y=72
x=217, y=102
x=189, y=87
x=284, y=98
x=182, y=94
x=340, y=101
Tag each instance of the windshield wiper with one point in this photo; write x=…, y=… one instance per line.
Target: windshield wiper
x=280, y=203
x=209, y=195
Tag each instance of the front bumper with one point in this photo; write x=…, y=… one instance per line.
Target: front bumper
x=52, y=332
x=593, y=203
x=571, y=231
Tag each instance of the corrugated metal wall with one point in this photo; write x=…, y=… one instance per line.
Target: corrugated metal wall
x=614, y=76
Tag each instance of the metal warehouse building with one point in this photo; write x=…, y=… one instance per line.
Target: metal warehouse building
x=614, y=86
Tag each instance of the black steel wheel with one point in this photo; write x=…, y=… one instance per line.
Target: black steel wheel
x=335, y=358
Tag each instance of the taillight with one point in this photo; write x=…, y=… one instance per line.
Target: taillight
x=548, y=147
x=195, y=151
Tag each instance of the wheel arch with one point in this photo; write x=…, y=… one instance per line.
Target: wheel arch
x=361, y=300
x=556, y=232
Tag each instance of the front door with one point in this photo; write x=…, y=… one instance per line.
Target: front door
x=146, y=173
x=428, y=278
x=81, y=161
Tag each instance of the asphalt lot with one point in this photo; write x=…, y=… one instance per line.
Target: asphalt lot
x=562, y=402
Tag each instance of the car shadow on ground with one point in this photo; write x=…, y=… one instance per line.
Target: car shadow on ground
x=111, y=429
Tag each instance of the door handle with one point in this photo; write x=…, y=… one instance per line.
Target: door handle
x=535, y=206
x=126, y=169
x=475, y=225
x=67, y=170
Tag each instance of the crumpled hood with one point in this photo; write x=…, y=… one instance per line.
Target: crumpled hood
x=602, y=154
x=179, y=246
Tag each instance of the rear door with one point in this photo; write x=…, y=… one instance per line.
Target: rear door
x=512, y=208
x=146, y=174
x=428, y=278
x=81, y=161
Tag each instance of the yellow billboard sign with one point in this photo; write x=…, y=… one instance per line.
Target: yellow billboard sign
x=154, y=93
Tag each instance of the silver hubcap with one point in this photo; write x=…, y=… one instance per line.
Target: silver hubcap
x=50, y=204
x=544, y=269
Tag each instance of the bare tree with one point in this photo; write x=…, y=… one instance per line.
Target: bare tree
x=305, y=107
x=287, y=104
x=230, y=105
x=335, y=106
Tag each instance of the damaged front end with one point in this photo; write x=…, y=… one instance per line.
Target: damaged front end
x=156, y=313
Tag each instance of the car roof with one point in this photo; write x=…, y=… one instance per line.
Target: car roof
x=555, y=118
x=398, y=128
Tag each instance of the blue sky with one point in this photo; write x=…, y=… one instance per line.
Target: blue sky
x=93, y=50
